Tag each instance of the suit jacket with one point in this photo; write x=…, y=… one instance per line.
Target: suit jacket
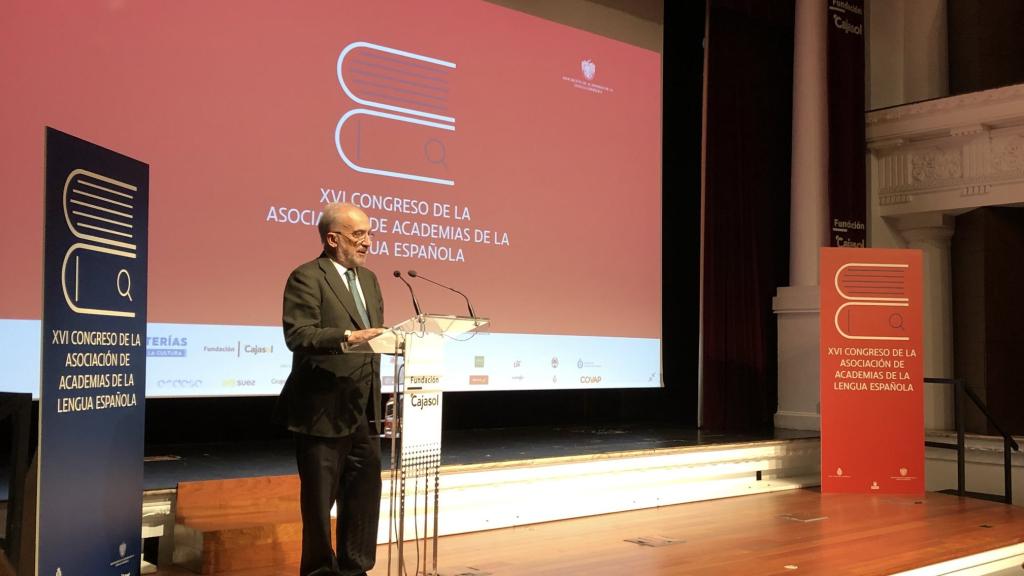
x=328, y=391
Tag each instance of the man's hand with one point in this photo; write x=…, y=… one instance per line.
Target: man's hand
x=359, y=336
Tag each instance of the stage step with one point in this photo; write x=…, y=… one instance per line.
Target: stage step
x=238, y=527
x=227, y=526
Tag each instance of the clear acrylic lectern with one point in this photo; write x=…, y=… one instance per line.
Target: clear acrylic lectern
x=415, y=428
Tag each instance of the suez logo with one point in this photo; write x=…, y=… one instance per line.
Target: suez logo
x=423, y=401
x=411, y=82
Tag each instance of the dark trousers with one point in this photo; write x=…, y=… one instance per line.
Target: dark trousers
x=346, y=470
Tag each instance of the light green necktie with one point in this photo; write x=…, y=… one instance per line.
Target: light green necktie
x=353, y=287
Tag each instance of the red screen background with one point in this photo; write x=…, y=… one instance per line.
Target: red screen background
x=234, y=106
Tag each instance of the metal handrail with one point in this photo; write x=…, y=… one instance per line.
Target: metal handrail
x=960, y=389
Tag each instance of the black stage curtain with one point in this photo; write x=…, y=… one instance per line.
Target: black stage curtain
x=985, y=43
x=746, y=214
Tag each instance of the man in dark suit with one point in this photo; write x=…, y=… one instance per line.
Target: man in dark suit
x=328, y=302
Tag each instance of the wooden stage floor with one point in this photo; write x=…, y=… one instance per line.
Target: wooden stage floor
x=790, y=532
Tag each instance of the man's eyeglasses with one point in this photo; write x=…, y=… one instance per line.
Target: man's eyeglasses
x=356, y=237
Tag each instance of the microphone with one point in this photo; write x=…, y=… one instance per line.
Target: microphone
x=415, y=304
x=413, y=274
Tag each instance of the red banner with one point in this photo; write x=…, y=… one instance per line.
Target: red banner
x=872, y=380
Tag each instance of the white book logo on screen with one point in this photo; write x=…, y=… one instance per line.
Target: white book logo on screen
x=405, y=131
x=96, y=273
x=876, y=300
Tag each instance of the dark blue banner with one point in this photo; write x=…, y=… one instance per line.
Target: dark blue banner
x=92, y=392
x=847, y=190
